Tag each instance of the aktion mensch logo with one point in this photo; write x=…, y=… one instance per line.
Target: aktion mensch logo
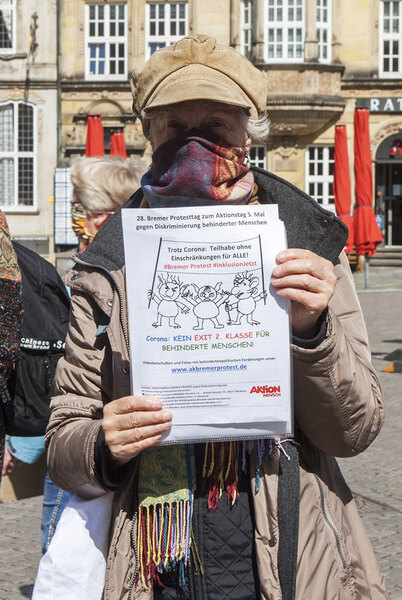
x=266, y=390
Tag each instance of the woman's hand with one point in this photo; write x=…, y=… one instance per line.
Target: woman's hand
x=132, y=424
x=308, y=281
x=9, y=462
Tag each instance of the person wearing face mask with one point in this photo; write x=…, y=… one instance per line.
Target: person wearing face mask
x=291, y=529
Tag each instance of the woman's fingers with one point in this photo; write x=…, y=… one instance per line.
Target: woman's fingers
x=125, y=453
x=308, y=281
x=128, y=404
x=133, y=423
x=302, y=281
x=303, y=262
x=134, y=419
x=136, y=434
x=304, y=270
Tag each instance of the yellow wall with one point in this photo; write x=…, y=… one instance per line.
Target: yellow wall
x=355, y=38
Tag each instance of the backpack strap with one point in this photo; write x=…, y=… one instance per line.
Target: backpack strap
x=288, y=519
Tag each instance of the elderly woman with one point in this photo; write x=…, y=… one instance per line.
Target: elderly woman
x=293, y=531
x=100, y=186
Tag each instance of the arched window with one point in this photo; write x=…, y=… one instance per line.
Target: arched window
x=17, y=155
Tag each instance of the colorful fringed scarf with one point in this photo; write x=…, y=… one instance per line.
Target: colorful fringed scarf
x=166, y=487
x=166, y=502
x=195, y=171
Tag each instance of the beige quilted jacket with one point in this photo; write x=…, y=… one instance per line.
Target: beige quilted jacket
x=337, y=406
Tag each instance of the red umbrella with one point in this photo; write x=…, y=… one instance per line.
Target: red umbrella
x=342, y=183
x=118, y=145
x=367, y=232
x=95, y=144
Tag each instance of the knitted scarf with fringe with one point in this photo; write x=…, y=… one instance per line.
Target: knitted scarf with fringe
x=166, y=486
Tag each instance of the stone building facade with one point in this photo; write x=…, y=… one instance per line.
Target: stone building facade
x=321, y=58
x=28, y=119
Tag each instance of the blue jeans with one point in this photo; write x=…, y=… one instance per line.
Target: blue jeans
x=54, y=501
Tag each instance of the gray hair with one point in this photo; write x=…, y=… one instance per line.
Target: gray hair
x=257, y=127
x=104, y=183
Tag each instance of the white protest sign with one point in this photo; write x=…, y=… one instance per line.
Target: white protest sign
x=207, y=334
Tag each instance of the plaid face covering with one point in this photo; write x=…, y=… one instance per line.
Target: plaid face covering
x=194, y=171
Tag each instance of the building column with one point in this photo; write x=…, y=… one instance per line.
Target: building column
x=336, y=33
x=311, y=37
x=258, y=30
x=235, y=24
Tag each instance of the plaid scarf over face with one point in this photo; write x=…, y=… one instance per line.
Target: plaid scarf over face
x=194, y=171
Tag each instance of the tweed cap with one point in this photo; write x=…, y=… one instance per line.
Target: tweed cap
x=198, y=68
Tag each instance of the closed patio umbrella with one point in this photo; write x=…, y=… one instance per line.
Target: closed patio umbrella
x=95, y=143
x=118, y=145
x=367, y=232
x=342, y=190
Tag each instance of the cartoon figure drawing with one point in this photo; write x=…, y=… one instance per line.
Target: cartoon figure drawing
x=206, y=302
x=246, y=296
x=169, y=288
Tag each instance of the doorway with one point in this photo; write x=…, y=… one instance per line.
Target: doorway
x=389, y=202
x=388, y=187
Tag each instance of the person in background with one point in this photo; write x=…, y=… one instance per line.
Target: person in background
x=10, y=319
x=46, y=309
x=293, y=531
x=100, y=186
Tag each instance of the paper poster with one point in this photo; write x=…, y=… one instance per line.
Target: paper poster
x=207, y=333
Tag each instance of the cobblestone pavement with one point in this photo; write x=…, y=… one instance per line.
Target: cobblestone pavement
x=375, y=476
x=19, y=547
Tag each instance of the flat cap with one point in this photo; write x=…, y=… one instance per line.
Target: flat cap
x=198, y=68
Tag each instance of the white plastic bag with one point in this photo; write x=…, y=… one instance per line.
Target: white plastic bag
x=74, y=566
